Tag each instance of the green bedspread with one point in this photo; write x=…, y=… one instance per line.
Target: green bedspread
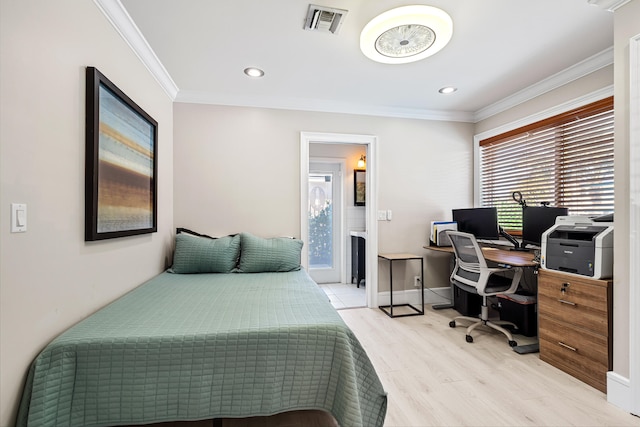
x=202, y=346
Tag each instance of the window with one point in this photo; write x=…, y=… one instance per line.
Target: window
x=565, y=160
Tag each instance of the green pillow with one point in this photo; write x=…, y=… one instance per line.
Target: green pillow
x=278, y=254
x=198, y=254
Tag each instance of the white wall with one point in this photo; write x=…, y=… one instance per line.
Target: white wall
x=626, y=25
x=624, y=382
x=49, y=277
x=237, y=169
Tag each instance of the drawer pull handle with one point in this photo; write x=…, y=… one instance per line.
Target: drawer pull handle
x=564, y=301
x=568, y=347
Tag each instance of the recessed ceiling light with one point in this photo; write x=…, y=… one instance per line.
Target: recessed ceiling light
x=253, y=72
x=447, y=89
x=406, y=34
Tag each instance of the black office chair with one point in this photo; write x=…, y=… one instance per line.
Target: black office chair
x=472, y=274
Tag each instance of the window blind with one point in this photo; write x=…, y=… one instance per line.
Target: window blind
x=566, y=160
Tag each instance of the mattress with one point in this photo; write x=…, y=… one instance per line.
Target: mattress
x=202, y=346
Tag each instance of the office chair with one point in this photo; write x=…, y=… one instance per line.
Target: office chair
x=472, y=274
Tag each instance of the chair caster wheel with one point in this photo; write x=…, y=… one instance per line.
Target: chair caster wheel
x=469, y=338
x=512, y=343
x=452, y=324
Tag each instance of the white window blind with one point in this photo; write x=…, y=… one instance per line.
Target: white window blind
x=566, y=160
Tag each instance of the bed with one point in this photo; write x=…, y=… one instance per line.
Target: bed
x=205, y=346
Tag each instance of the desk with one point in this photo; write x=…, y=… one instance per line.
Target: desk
x=388, y=309
x=500, y=256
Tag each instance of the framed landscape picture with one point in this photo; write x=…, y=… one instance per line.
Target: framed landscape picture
x=359, y=186
x=120, y=164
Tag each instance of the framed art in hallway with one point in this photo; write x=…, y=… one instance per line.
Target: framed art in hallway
x=120, y=163
x=359, y=187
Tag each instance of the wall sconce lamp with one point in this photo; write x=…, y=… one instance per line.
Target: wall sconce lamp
x=362, y=163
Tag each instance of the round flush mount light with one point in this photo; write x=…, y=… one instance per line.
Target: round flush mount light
x=253, y=72
x=406, y=34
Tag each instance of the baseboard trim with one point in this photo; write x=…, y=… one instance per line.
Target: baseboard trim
x=619, y=391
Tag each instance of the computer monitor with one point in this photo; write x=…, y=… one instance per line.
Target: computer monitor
x=536, y=220
x=481, y=222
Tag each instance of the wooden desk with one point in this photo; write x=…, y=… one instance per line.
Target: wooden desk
x=500, y=256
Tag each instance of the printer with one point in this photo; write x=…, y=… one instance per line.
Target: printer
x=578, y=245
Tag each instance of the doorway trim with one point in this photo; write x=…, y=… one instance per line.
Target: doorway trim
x=370, y=141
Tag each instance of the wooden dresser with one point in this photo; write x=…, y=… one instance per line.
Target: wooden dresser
x=575, y=325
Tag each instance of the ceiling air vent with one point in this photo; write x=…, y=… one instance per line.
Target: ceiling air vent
x=324, y=19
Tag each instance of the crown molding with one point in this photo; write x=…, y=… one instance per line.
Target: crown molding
x=323, y=106
x=610, y=5
x=581, y=69
x=124, y=25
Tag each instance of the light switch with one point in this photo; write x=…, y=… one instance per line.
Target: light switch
x=382, y=215
x=18, y=217
x=21, y=218
x=389, y=215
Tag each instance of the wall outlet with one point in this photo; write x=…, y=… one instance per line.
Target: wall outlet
x=416, y=281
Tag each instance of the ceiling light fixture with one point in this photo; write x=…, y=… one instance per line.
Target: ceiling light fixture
x=406, y=34
x=253, y=72
x=447, y=89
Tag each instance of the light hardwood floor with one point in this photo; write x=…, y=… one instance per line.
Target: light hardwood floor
x=433, y=377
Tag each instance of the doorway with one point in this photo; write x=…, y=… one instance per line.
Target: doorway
x=369, y=145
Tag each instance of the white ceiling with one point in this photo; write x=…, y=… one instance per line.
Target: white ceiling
x=502, y=52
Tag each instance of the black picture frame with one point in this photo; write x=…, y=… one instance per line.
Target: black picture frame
x=121, y=163
x=359, y=187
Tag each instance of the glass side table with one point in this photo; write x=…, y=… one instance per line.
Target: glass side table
x=388, y=309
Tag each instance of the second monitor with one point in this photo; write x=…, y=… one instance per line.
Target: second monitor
x=481, y=222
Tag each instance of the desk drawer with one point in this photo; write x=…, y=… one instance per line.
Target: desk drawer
x=584, y=303
x=578, y=352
